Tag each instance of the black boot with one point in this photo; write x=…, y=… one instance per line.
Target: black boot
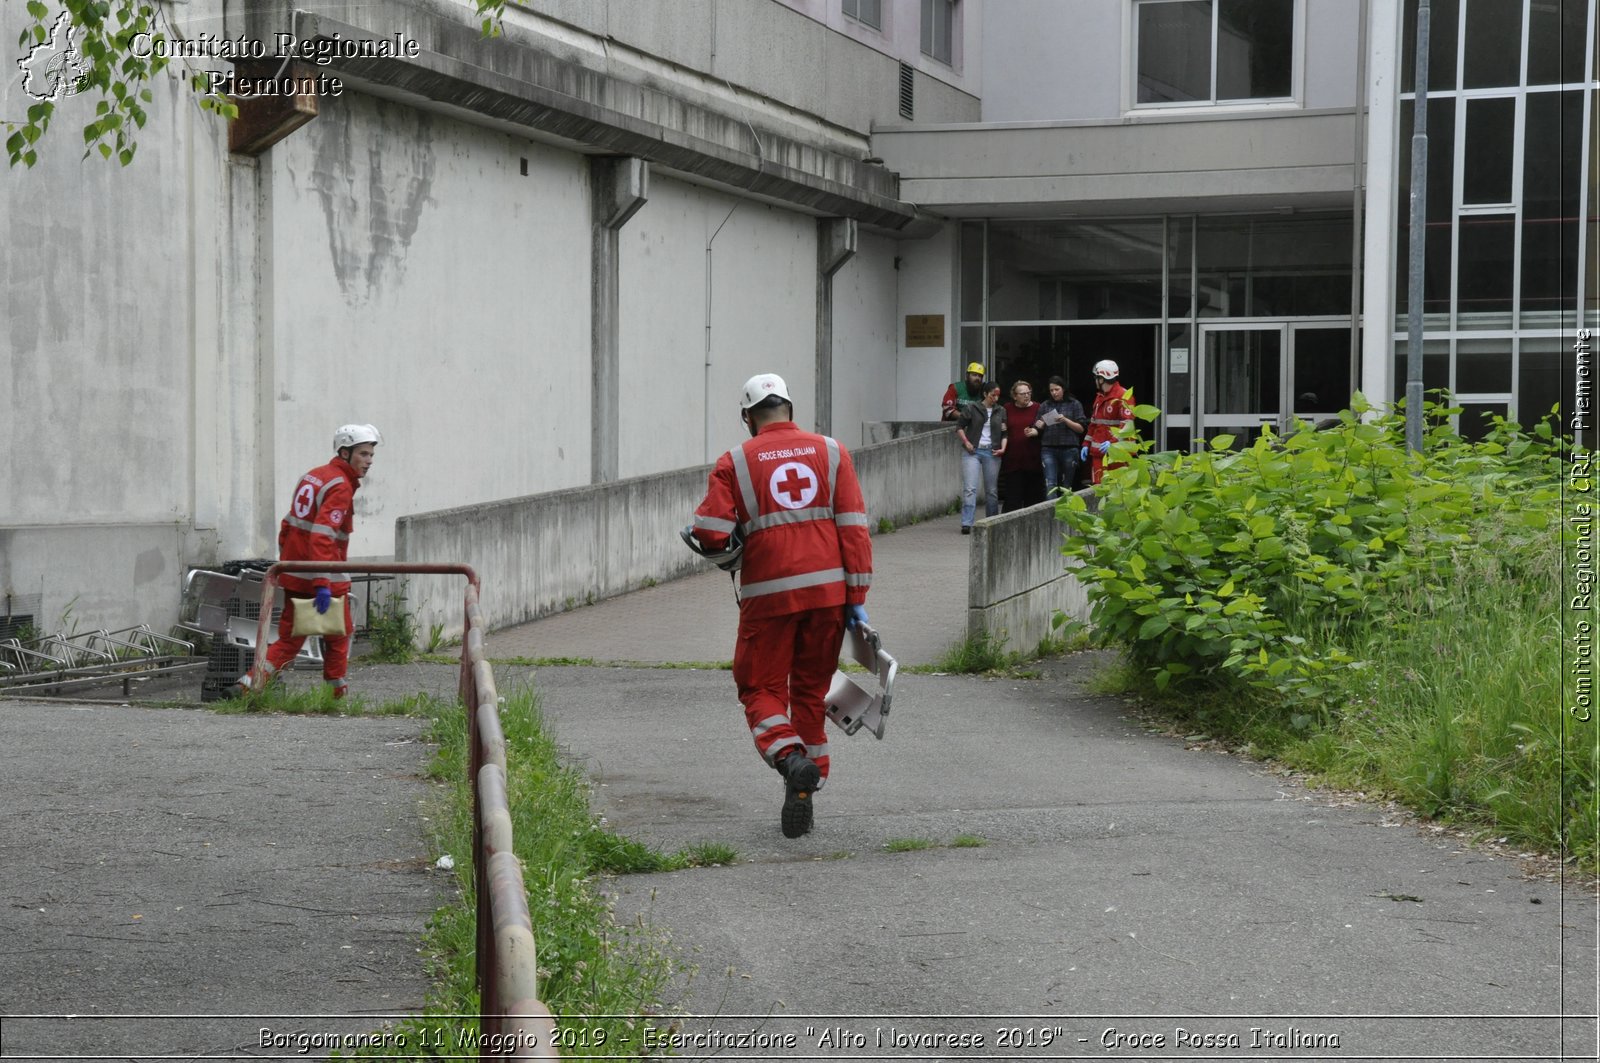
x=801, y=777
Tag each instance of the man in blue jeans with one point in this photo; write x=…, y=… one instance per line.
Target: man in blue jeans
x=981, y=428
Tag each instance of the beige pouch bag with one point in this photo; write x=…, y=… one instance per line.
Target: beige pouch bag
x=307, y=621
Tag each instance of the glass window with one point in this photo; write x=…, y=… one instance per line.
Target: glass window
x=938, y=28
x=1200, y=51
x=1550, y=189
x=1539, y=382
x=1174, y=51
x=972, y=271
x=1255, y=49
x=1273, y=266
x=1180, y=370
x=1555, y=41
x=1435, y=368
x=869, y=12
x=1444, y=17
x=1490, y=135
x=1082, y=271
x=1440, y=208
x=1483, y=365
x=1244, y=370
x=1321, y=370
x=1484, y=271
x=972, y=349
x=1475, y=417
x=1492, y=56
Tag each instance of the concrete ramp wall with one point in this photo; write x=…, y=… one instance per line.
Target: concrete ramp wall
x=546, y=553
x=1017, y=578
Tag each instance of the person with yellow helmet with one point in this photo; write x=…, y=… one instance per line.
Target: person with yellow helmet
x=962, y=392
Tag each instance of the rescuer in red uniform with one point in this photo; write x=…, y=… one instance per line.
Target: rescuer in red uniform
x=806, y=565
x=1111, y=411
x=317, y=528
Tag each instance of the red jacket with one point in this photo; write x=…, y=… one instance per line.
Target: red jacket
x=318, y=526
x=796, y=497
x=1111, y=411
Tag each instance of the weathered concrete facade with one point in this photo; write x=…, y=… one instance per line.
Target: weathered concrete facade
x=422, y=256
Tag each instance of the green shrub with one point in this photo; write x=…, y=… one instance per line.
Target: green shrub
x=1257, y=565
x=1386, y=621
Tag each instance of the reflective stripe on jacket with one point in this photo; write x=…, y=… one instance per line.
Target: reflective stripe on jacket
x=796, y=497
x=318, y=526
x=1110, y=412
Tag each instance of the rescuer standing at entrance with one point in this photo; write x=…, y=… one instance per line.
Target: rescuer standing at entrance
x=1111, y=411
x=806, y=566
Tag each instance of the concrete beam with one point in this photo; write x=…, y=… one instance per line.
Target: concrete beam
x=514, y=84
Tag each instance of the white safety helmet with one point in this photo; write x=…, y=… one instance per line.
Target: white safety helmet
x=353, y=435
x=762, y=386
x=1106, y=369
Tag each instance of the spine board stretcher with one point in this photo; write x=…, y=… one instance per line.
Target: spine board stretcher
x=852, y=706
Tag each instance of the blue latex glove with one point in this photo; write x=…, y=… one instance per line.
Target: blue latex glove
x=1103, y=446
x=855, y=616
x=324, y=599
x=1083, y=453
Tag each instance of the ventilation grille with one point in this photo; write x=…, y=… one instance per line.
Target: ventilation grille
x=17, y=613
x=908, y=92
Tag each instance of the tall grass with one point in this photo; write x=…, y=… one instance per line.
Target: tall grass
x=1460, y=712
x=1453, y=707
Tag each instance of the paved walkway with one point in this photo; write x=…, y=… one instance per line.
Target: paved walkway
x=163, y=865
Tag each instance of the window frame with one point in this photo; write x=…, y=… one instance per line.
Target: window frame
x=856, y=16
x=1130, y=84
x=928, y=35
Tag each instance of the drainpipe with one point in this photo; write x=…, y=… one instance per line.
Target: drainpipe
x=706, y=384
x=836, y=245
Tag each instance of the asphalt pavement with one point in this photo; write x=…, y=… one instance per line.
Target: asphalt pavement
x=1020, y=869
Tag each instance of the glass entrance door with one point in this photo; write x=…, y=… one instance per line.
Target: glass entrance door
x=1241, y=380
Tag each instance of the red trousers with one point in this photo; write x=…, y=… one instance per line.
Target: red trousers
x=335, y=652
x=782, y=666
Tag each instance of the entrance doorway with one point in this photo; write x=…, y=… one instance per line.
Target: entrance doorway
x=1036, y=352
x=1251, y=375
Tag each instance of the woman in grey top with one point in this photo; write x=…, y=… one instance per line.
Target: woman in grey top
x=1060, y=424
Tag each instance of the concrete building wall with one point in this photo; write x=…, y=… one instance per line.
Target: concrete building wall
x=864, y=345
x=1062, y=60
x=419, y=282
x=101, y=364
x=194, y=326
x=927, y=286
x=756, y=283
x=803, y=55
x=1071, y=60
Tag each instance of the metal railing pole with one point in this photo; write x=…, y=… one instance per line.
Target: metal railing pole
x=510, y=1012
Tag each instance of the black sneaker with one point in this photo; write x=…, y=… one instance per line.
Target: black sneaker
x=801, y=778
